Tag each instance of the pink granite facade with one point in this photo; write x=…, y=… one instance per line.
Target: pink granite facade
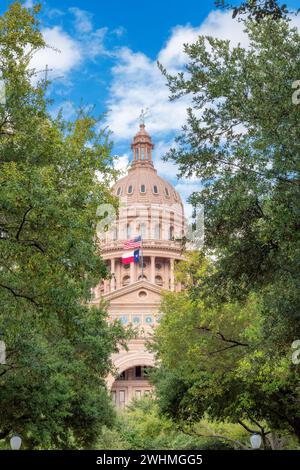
x=150, y=207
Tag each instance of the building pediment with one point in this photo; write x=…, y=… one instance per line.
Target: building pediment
x=137, y=292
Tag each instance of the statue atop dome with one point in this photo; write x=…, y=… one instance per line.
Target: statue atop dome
x=144, y=113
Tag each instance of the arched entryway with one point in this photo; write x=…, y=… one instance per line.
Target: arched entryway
x=131, y=381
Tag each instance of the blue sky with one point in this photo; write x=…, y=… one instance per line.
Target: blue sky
x=108, y=53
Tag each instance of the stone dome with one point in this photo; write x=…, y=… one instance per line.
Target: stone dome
x=142, y=184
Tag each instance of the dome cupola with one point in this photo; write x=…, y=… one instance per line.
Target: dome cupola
x=142, y=147
x=142, y=184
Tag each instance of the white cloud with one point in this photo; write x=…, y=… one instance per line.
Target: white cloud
x=217, y=24
x=65, y=52
x=137, y=82
x=52, y=13
x=221, y=25
x=119, y=31
x=67, y=108
x=63, y=56
x=166, y=169
x=83, y=20
x=295, y=21
x=121, y=163
x=93, y=44
x=28, y=4
x=91, y=41
x=185, y=188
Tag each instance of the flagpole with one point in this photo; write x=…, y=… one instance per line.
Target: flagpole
x=142, y=258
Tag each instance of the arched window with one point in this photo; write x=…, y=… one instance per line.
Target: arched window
x=130, y=189
x=128, y=231
x=115, y=233
x=119, y=190
x=157, y=231
x=143, y=230
x=142, y=277
x=167, y=192
x=126, y=280
x=142, y=294
x=155, y=189
x=158, y=280
x=171, y=233
x=143, y=188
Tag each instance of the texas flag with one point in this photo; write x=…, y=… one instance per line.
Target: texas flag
x=132, y=256
x=132, y=250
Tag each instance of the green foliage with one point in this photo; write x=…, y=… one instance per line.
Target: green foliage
x=241, y=139
x=229, y=335
x=216, y=364
x=141, y=427
x=52, y=389
x=257, y=9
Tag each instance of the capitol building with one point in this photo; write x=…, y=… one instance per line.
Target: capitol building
x=151, y=208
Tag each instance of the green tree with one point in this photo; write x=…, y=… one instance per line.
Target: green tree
x=225, y=343
x=215, y=363
x=142, y=427
x=52, y=388
x=242, y=140
x=257, y=9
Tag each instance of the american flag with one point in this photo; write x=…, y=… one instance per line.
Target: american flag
x=133, y=244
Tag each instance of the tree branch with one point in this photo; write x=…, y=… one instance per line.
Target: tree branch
x=22, y=296
x=215, y=436
x=34, y=243
x=22, y=223
x=233, y=342
x=5, y=433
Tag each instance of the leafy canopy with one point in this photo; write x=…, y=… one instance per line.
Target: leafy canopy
x=52, y=389
x=225, y=343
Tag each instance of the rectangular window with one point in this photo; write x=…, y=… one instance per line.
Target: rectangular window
x=138, y=394
x=138, y=371
x=143, y=230
x=122, y=397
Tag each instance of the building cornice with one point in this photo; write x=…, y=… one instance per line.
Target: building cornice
x=133, y=288
x=170, y=248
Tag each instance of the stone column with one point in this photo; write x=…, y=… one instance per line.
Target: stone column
x=132, y=273
x=119, y=278
x=172, y=273
x=152, y=270
x=112, y=271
